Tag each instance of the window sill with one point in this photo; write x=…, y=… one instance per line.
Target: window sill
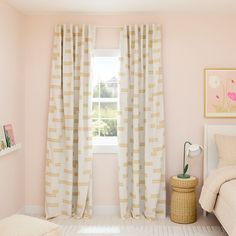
x=105, y=149
x=105, y=145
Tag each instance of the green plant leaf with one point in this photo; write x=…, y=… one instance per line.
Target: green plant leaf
x=185, y=169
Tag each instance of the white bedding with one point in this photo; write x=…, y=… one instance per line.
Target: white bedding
x=225, y=207
x=21, y=225
x=219, y=196
x=213, y=184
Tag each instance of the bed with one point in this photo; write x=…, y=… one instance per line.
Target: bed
x=219, y=190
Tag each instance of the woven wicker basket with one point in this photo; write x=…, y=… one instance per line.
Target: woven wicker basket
x=183, y=200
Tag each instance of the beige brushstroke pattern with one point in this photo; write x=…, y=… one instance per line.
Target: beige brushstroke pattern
x=141, y=124
x=69, y=141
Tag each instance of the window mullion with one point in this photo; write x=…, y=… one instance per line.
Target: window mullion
x=99, y=108
x=108, y=100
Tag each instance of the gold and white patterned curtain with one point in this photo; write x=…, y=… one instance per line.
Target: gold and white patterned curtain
x=141, y=124
x=69, y=142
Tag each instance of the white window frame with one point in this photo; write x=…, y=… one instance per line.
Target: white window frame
x=105, y=145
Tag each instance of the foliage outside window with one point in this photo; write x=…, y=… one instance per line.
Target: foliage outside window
x=105, y=83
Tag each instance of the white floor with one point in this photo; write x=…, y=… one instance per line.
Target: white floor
x=107, y=225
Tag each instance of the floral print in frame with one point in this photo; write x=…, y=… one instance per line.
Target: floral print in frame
x=220, y=93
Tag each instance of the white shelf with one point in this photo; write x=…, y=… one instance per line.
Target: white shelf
x=10, y=149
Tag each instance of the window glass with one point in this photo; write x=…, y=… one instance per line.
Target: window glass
x=105, y=100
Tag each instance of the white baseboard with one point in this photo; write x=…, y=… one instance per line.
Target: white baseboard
x=107, y=210
x=34, y=210
x=99, y=210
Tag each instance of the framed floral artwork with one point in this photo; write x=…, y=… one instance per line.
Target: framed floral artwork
x=220, y=92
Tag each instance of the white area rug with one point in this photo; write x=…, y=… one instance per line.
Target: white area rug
x=117, y=227
x=131, y=231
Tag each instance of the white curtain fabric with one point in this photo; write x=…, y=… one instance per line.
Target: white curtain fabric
x=141, y=124
x=69, y=142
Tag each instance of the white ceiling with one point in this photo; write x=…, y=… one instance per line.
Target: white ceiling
x=123, y=5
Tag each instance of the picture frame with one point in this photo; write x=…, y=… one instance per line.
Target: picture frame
x=10, y=140
x=220, y=92
x=3, y=143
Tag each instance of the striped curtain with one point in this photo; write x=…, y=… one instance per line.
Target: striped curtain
x=69, y=142
x=141, y=124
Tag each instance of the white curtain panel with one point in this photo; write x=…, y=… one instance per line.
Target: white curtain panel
x=141, y=124
x=69, y=142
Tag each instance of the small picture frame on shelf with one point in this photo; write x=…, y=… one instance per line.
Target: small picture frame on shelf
x=8, y=130
x=3, y=143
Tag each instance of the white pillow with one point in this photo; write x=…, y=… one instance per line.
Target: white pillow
x=21, y=225
x=227, y=150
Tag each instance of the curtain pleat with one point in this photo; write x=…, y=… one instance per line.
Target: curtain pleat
x=141, y=124
x=69, y=142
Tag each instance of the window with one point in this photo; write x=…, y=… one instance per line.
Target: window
x=105, y=66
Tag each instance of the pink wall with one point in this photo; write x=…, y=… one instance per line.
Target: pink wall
x=191, y=42
x=12, y=108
